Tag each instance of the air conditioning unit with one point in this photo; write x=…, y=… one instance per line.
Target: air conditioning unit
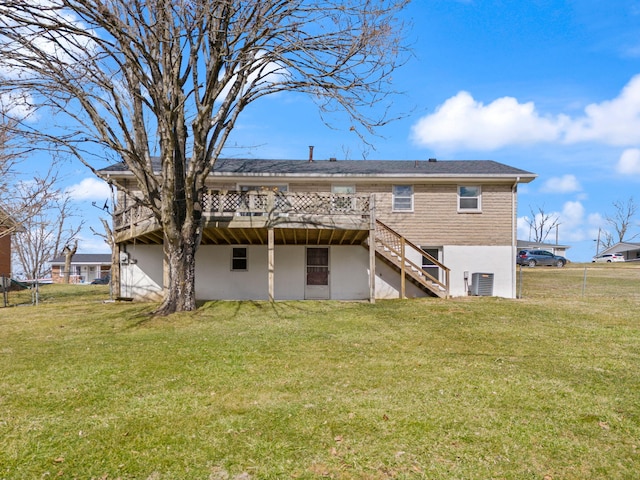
x=482, y=284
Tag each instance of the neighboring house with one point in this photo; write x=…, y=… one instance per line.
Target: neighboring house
x=84, y=268
x=7, y=226
x=630, y=250
x=549, y=247
x=365, y=229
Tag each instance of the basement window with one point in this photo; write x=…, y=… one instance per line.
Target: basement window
x=239, y=259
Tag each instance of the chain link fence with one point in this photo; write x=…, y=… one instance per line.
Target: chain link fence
x=596, y=281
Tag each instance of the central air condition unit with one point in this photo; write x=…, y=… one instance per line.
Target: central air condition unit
x=482, y=284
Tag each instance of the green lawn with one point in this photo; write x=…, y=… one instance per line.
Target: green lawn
x=545, y=387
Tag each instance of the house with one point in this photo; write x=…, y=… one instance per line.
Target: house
x=365, y=229
x=7, y=227
x=549, y=247
x=84, y=268
x=630, y=250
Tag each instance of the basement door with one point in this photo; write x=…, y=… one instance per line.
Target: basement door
x=317, y=274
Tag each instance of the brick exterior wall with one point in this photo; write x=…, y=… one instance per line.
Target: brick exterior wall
x=5, y=256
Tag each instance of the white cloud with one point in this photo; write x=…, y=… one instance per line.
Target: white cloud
x=89, y=189
x=612, y=122
x=571, y=227
x=629, y=162
x=463, y=122
x=571, y=224
x=564, y=184
x=18, y=105
x=94, y=244
x=575, y=226
x=264, y=72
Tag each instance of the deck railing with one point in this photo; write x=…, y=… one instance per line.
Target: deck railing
x=269, y=203
x=276, y=204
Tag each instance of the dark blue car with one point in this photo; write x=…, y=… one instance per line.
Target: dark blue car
x=539, y=257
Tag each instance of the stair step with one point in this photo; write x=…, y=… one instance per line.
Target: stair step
x=418, y=275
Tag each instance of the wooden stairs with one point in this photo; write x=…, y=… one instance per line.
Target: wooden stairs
x=398, y=252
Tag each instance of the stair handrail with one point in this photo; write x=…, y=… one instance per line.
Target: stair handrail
x=407, y=242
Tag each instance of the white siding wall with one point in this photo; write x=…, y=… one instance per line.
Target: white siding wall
x=481, y=259
x=349, y=277
x=142, y=278
x=289, y=272
x=388, y=283
x=215, y=279
x=349, y=273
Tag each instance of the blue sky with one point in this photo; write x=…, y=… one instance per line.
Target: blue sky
x=549, y=86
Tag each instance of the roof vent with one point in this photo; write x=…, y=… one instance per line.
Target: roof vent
x=333, y=159
x=433, y=160
x=310, y=153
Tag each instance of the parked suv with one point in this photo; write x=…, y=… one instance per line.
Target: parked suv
x=539, y=257
x=609, y=257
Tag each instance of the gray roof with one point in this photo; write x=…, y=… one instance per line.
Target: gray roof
x=621, y=247
x=92, y=258
x=365, y=168
x=542, y=245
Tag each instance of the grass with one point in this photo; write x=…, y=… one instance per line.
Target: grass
x=545, y=387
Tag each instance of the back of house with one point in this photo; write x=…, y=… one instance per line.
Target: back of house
x=329, y=229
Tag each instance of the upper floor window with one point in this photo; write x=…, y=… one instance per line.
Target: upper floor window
x=402, y=198
x=343, y=197
x=469, y=198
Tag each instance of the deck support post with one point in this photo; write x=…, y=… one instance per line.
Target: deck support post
x=372, y=251
x=271, y=261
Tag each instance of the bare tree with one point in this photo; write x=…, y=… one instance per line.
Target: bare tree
x=169, y=78
x=541, y=224
x=8, y=160
x=110, y=239
x=69, y=251
x=621, y=220
x=46, y=228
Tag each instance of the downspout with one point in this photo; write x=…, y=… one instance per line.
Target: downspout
x=514, y=235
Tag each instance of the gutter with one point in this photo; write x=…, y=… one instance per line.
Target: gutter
x=514, y=234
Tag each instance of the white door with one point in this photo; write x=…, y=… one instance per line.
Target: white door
x=317, y=274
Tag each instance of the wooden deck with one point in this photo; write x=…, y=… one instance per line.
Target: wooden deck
x=246, y=218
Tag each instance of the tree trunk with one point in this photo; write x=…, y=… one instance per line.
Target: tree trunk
x=69, y=252
x=179, y=272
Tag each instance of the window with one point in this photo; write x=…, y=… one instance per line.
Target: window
x=402, y=198
x=469, y=198
x=342, y=199
x=254, y=198
x=427, y=263
x=239, y=258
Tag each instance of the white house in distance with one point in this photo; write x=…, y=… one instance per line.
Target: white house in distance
x=84, y=268
x=630, y=250
x=352, y=230
x=549, y=247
